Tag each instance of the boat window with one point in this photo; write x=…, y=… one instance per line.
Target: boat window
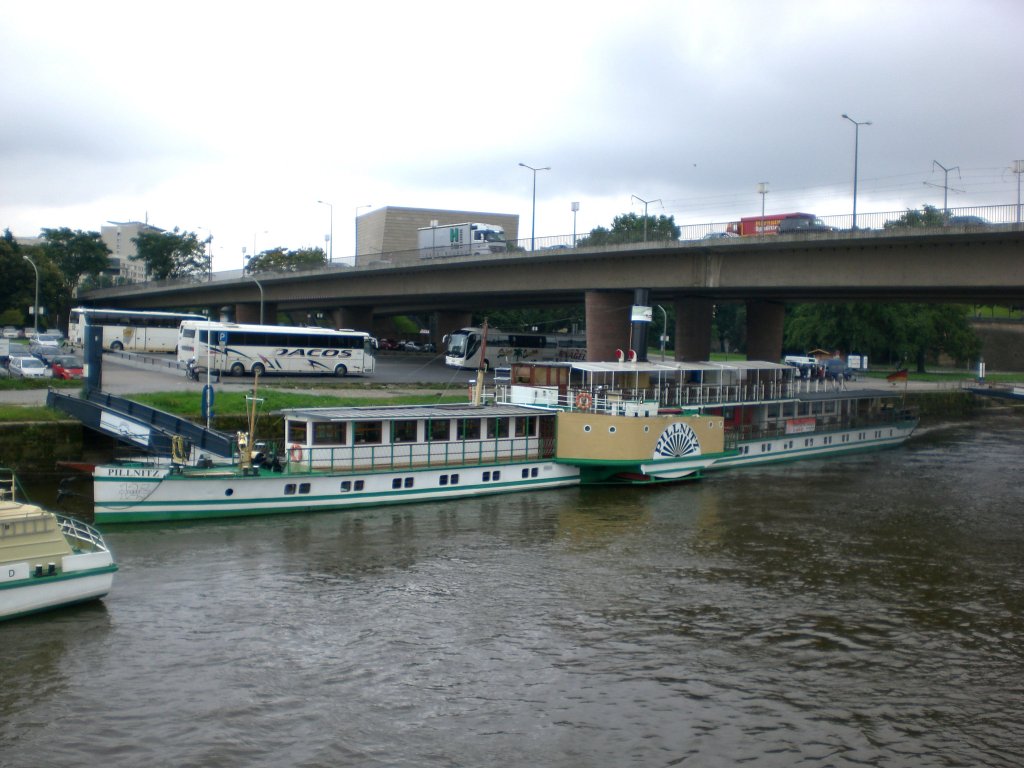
x=408, y=482
x=329, y=433
x=367, y=432
x=469, y=429
x=403, y=431
x=295, y=432
x=289, y=489
x=346, y=486
x=497, y=428
x=439, y=430
x=303, y=487
x=358, y=485
x=396, y=482
x=525, y=426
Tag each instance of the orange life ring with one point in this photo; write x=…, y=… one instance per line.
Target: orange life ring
x=295, y=452
x=583, y=401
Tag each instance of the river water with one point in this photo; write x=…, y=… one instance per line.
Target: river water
x=864, y=611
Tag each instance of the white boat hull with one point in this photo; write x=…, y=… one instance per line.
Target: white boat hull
x=156, y=494
x=816, y=444
x=31, y=594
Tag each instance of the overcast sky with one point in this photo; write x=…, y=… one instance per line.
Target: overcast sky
x=235, y=119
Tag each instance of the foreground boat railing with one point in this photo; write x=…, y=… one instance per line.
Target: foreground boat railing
x=82, y=532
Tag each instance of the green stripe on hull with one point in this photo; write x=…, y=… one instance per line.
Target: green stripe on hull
x=134, y=512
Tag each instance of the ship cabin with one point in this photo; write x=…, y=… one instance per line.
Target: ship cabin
x=386, y=437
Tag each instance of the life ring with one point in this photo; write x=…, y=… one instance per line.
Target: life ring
x=295, y=452
x=583, y=401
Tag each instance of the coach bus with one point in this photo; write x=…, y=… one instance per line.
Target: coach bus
x=238, y=349
x=126, y=330
x=464, y=347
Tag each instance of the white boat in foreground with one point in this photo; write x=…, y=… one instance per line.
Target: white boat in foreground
x=47, y=560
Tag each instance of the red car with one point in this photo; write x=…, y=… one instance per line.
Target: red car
x=66, y=367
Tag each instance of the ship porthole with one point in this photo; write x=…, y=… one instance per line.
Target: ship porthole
x=647, y=428
x=611, y=430
x=586, y=427
x=229, y=491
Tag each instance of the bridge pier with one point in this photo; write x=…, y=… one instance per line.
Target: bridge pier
x=608, y=323
x=356, y=318
x=249, y=312
x=693, y=328
x=764, y=330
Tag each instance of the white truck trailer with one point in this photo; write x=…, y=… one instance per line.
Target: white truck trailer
x=469, y=239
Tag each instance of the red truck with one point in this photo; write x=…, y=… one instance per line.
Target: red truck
x=764, y=225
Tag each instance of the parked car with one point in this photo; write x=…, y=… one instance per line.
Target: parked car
x=28, y=368
x=10, y=332
x=67, y=367
x=410, y=346
x=430, y=347
x=46, y=346
x=968, y=221
x=389, y=344
x=719, y=235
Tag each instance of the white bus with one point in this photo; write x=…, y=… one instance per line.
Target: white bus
x=239, y=349
x=463, y=347
x=126, y=330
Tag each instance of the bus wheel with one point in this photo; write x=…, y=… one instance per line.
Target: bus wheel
x=237, y=369
x=340, y=371
x=116, y=346
x=258, y=369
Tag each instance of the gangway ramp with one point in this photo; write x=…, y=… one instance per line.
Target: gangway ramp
x=139, y=425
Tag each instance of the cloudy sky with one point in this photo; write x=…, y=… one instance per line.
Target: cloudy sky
x=235, y=119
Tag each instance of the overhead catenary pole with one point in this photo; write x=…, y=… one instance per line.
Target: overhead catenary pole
x=762, y=190
x=645, y=202
x=945, y=183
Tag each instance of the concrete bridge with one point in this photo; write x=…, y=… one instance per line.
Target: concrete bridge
x=980, y=265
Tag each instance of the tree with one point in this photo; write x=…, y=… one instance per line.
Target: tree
x=76, y=253
x=280, y=260
x=629, y=228
x=172, y=255
x=18, y=286
x=729, y=326
x=928, y=216
x=893, y=332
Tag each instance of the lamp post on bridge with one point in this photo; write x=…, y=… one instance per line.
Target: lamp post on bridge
x=856, y=150
x=533, y=215
x=330, y=257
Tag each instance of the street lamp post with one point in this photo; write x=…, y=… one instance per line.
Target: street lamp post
x=358, y=209
x=330, y=256
x=762, y=190
x=533, y=215
x=258, y=285
x=856, y=151
x=646, y=203
x=35, y=307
